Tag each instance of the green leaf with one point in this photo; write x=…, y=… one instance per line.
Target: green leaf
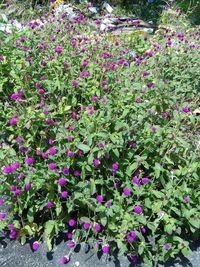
x=49, y=228
x=85, y=219
x=104, y=221
x=92, y=187
x=83, y=147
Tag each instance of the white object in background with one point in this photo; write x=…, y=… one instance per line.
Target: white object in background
x=93, y=9
x=108, y=7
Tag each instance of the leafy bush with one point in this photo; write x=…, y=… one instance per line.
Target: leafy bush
x=99, y=142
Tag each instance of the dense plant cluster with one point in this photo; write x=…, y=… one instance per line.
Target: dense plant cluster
x=99, y=141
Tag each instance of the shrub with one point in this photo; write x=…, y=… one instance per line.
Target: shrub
x=98, y=142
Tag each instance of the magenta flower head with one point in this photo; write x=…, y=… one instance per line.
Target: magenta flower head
x=153, y=129
x=58, y=50
x=70, y=154
x=100, y=145
x=52, y=166
x=138, y=210
x=167, y=246
x=186, y=199
x=35, y=246
x=103, y=83
x=29, y=161
x=96, y=163
x=3, y=216
x=127, y=192
x=52, y=151
x=72, y=222
x=186, y=109
x=71, y=244
x=13, y=122
x=75, y=83
x=145, y=180
x=86, y=226
x=18, y=192
x=65, y=170
x=64, y=260
x=99, y=198
x=50, y=204
x=8, y=169
x=105, y=249
x=62, y=181
x=64, y=194
x=115, y=167
x=28, y=187
x=77, y=173
x=97, y=227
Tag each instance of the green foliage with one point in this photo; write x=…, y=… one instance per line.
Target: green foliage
x=113, y=119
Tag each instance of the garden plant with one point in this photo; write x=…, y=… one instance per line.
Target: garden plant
x=99, y=137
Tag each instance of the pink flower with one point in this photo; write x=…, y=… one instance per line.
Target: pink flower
x=97, y=227
x=72, y=222
x=50, y=204
x=75, y=83
x=96, y=163
x=62, y=181
x=29, y=161
x=127, y=192
x=99, y=198
x=35, y=246
x=86, y=226
x=64, y=194
x=64, y=260
x=13, y=122
x=58, y=50
x=52, y=166
x=105, y=249
x=52, y=151
x=138, y=210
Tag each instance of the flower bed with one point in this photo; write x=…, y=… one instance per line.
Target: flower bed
x=99, y=142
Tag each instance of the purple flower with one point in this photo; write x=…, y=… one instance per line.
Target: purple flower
x=103, y=83
x=127, y=192
x=75, y=83
x=50, y=204
x=35, y=246
x=1, y=202
x=28, y=187
x=72, y=222
x=58, y=50
x=13, y=122
x=64, y=260
x=70, y=154
x=167, y=246
x=115, y=167
x=71, y=244
x=65, y=170
x=186, y=199
x=62, y=181
x=3, y=216
x=77, y=173
x=145, y=74
x=52, y=166
x=145, y=180
x=143, y=230
x=96, y=163
x=64, y=194
x=138, y=210
x=153, y=129
x=105, y=249
x=186, y=109
x=97, y=227
x=18, y=192
x=109, y=204
x=29, y=161
x=86, y=226
x=99, y=198
x=8, y=169
x=52, y=151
